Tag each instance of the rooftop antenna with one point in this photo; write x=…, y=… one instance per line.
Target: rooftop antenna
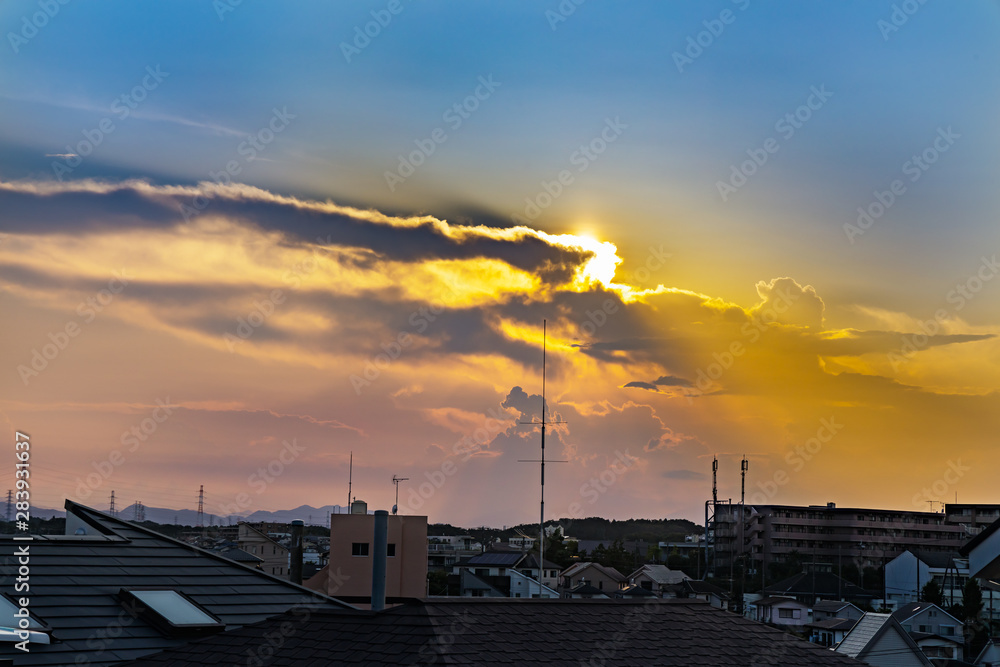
x=715, y=474
x=543, y=423
x=396, y=481
x=350, y=479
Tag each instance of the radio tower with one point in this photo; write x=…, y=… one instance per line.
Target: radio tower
x=541, y=510
x=201, y=506
x=112, y=511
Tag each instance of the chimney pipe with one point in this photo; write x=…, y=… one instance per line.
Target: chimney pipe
x=295, y=553
x=379, y=562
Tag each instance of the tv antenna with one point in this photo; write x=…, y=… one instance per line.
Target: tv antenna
x=543, y=422
x=350, y=478
x=396, y=481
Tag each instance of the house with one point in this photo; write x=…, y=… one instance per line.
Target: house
x=584, y=591
x=691, y=589
x=937, y=633
x=601, y=577
x=633, y=592
x=554, y=633
x=983, y=554
x=811, y=586
x=348, y=572
x=879, y=640
x=989, y=656
x=511, y=572
x=255, y=541
x=830, y=631
x=908, y=573
x=827, y=609
x=783, y=611
x=110, y=590
x=241, y=556
x=656, y=578
x=444, y=551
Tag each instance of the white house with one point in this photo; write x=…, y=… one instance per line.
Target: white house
x=989, y=656
x=936, y=632
x=787, y=612
x=879, y=640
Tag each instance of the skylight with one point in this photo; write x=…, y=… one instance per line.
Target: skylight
x=12, y=626
x=170, y=611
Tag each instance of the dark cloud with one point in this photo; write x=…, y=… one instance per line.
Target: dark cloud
x=641, y=385
x=52, y=207
x=671, y=381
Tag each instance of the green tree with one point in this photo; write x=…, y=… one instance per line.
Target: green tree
x=932, y=593
x=972, y=601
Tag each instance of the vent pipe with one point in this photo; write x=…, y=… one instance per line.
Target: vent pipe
x=379, y=561
x=295, y=553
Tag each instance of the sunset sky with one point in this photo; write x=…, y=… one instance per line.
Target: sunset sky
x=237, y=235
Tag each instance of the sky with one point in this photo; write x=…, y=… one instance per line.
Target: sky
x=242, y=244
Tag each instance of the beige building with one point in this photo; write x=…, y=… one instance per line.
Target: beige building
x=256, y=542
x=348, y=574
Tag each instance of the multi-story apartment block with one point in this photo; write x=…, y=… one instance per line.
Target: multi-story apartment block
x=770, y=533
x=972, y=517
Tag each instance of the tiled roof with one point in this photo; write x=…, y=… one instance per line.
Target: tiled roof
x=764, y=602
x=869, y=627
x=831, y=605
x=811, y=584
x=661, y=574
x=75, y=581
x=241, y=556
x=833, y=624
x=699, y=588
x=486, y=632
x=576, y=568
x=864, y=636
x=911, y=609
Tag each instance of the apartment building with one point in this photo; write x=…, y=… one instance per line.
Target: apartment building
x=826, y=532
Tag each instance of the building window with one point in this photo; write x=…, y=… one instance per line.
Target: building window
x=359, y=549
x=788, y=613
x=390, y=550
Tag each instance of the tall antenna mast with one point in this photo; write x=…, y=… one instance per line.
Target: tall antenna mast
x=543, y=422
x=396, y=481
x=350, y=479
x=715, y=474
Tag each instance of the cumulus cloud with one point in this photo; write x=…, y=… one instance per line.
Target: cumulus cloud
x=784, y=300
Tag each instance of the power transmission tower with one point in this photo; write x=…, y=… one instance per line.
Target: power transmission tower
x=201, y=506
x=111, y=510
x=10, y=503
